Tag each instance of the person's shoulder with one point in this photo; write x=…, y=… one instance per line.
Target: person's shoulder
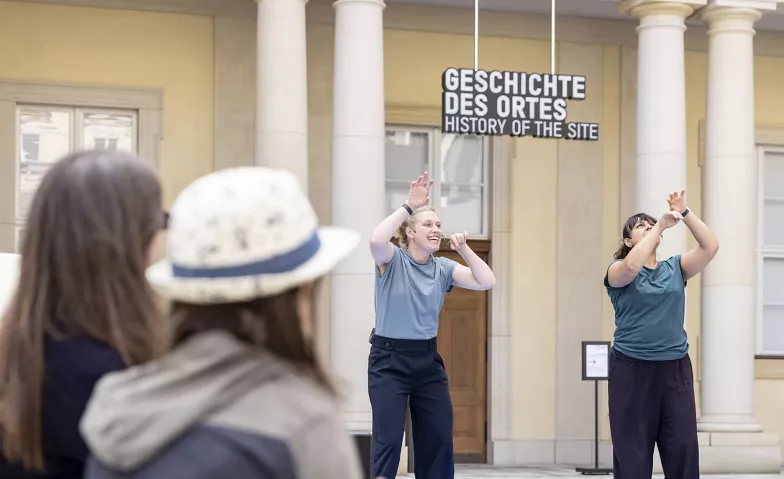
x=397, y=254
x=82, y=354
x=205, y=450
x=674, y=263
x=293, y=398
x=674, y=260
x=445, y=261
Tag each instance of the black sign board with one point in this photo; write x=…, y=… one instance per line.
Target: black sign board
x=502, y=103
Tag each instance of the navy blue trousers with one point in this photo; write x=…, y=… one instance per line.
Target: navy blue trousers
x=410, y=372
x=652, y=402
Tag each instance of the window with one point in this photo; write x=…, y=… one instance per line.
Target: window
x=770, y=273
x=41, y=122
x=47, y=133
x=458, y=164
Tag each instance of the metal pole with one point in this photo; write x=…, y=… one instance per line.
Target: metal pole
x=476, y=35
x=596, y=424
x=552, y=38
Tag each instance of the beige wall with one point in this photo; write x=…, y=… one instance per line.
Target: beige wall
x=60, y=44
x=414, y=62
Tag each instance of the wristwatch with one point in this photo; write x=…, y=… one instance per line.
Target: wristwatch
x=685, y=212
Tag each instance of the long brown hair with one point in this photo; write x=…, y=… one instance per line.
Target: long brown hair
x=84, y=253
x=272, y=323
x=632, y=223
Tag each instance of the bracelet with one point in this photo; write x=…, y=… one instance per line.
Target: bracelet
x=408, y=208
x=685, y=212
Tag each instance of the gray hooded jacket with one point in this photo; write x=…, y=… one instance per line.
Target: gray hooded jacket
x=216, y=408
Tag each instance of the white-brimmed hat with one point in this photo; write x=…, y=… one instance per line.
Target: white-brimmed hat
x=245, y=233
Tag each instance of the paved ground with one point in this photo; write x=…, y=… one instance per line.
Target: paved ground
x=490, y=472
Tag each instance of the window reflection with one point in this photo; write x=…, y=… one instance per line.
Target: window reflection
x=108, y=131
x=44, y=137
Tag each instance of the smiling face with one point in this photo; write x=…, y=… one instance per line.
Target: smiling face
x=426, y=232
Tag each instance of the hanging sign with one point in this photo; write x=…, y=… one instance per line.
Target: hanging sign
x=501, y=103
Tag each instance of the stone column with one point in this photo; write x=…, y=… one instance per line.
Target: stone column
x=358, y=199
x=282, y=87
x=661, y=109
x=728, y=283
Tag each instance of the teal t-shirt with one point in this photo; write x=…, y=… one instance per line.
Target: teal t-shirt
x=649, y=313
x=409, y=295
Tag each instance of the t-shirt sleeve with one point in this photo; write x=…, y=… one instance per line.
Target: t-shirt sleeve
x=396, y=257
x=675, y=261
x=448, y=269
x=607, y=275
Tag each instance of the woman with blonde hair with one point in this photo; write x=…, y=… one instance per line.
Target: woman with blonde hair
x=241, y=395
x=82, y=306
x=404, y=367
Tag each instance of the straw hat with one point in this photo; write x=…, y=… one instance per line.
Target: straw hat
x=245, y=233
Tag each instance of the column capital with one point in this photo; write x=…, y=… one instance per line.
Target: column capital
x=645, y=8
x=378, y=3
x=734, y=15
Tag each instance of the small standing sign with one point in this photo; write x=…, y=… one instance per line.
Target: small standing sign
x=596, y=367
x=596, y=360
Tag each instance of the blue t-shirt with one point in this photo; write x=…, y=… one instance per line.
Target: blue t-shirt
x=409, y=295
x=649, y=313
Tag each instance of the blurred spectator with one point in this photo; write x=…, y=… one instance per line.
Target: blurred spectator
x=241, y=395
x=82, y=306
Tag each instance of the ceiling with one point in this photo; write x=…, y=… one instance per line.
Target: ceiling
x=575, y=8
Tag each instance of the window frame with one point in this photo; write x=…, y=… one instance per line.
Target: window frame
x=75, y=138
x=147, y=102
x=434, y=159
x=763, y=251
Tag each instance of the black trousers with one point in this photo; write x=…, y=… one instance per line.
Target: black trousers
x=652, y=402
x=410, y=372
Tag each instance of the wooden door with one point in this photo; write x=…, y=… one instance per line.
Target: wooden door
x=462, y=342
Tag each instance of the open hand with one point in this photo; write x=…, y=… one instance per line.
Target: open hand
x=419, y=192
x=677, y=201
x=670, y=219
x=458, y=240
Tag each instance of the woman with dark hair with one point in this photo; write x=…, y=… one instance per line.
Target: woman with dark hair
x=651, y=385
x=82, y=306
x=241, y=395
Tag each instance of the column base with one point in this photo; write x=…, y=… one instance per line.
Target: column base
x=728, y=424
x=736, y=453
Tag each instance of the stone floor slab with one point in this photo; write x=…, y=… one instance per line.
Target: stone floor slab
x=492, y=472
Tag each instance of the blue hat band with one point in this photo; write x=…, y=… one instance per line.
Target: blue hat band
x=279, y=264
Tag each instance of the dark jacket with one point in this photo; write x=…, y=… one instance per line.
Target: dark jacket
x=73, y=366
x=216, y=408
